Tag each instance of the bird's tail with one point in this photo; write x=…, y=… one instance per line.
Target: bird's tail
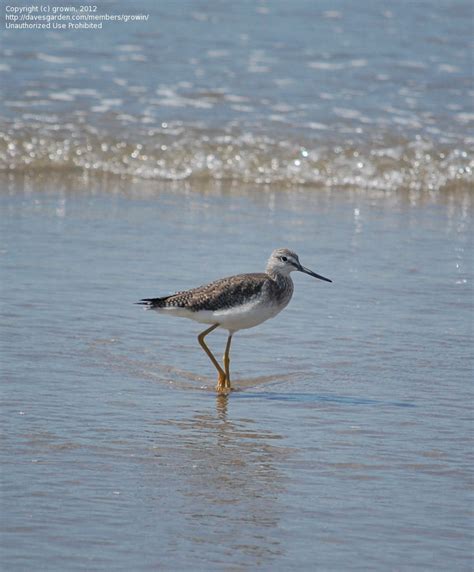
x=152, y=303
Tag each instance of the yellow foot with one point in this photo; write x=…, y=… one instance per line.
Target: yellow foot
x=223, y=386
x=223, y=390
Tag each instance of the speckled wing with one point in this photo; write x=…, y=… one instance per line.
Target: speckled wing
x=218, y=295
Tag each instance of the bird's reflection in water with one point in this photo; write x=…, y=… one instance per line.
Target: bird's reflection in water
x=227, y=469
x=222, y=401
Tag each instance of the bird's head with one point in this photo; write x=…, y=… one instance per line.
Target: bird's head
x=283, y=261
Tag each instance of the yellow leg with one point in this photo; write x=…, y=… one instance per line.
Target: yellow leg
x=227, y=362
x=221, y=380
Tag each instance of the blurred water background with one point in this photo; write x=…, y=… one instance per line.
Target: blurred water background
x=145, y=158
x=368, y=95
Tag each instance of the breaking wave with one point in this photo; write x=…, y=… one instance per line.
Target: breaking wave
x=177, y=152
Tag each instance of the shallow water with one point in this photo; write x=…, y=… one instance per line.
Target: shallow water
x=346, y=445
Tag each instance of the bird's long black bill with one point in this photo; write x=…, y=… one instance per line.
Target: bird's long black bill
x=311, y=273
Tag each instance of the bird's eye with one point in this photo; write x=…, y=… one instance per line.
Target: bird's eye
x=284, y=259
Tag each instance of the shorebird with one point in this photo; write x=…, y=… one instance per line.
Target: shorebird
x=235, y=303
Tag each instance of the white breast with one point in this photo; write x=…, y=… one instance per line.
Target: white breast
x=233, y=319
x=245, y=316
